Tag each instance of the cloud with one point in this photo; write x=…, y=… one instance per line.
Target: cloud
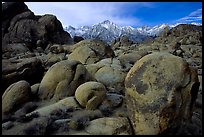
x=88, y=13
x=194, y=16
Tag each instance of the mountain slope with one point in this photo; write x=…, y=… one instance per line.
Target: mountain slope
x=108, y=31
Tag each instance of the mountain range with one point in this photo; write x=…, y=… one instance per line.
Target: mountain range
x=108, y=31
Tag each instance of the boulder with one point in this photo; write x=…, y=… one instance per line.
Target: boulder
x=20, y=25
x=111, y=102
x=52, y=58
x=9, y=10
x=13, y=50
x=54, y=29
x=35, y=88
x=56, y=49
x=109, y=126
x=78, y=39
x=15, y=96
x=26, y=31
x=128, y=60
x=85, y=55
x=62, y=79
x=29, y=69
x=161, y=90
x=21, y=16
x=51, y=108
x=122, y=41
x=90, y=94
x=90, y=51
x=109, y=72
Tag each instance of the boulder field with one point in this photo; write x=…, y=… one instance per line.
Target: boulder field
x=53, y=84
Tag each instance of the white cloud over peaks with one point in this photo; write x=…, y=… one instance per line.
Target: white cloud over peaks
x=79, y=14
x=193, y=16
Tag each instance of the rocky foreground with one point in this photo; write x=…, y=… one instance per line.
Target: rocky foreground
x=53, y=84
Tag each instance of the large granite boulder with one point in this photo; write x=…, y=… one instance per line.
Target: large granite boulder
x=25, y=31
x=55, y=32
x=160, y=92
x=90, y=51
x=15, y=96
x=20, y=25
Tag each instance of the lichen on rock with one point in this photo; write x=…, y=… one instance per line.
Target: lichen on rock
x=160, y=92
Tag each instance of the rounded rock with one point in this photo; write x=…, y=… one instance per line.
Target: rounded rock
x=108, y=72
x=15, y=95
x=90, y=51
x=61, y=80
x=109, y=126
x=90, y=94
x=160, y=92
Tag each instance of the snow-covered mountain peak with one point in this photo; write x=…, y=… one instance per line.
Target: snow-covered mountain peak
x=161, y=26
x=195, y=23
x=108, y=31
x=128, y=27
x=106, y=22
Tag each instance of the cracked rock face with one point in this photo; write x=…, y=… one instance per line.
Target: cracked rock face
x=62, y=79
x=160, y=91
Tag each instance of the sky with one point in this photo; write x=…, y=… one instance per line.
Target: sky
x=133, y=14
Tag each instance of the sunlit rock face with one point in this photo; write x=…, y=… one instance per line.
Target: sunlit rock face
x=160, y=92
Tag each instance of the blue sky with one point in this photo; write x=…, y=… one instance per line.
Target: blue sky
x=133, y=14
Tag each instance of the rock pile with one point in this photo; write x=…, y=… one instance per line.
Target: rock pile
x=25, y=35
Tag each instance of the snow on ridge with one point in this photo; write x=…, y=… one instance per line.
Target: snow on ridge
x=108, y=30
